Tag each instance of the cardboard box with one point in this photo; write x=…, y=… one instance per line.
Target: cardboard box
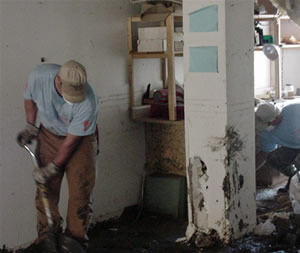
x=178, y=46
x=156, y=8
x=152, y=33
x=152, y=45
x=178, y=29
x=178, y=36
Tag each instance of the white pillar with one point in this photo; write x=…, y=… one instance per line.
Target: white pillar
x=219, y=116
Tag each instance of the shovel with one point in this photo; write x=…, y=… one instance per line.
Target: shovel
x=53, y=243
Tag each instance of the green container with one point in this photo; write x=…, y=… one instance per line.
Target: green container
x=166, y=194
x=268, y=39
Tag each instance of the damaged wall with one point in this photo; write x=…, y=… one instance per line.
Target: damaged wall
x=94, y=33
x=219, y=121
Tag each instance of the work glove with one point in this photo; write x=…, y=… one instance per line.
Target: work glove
x=44, y=174
x=27, y=135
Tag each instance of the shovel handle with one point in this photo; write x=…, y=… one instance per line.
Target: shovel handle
x=41, y=187
x=46, y=204
x=34, y=159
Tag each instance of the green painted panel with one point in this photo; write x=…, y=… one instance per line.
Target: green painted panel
x=166, y=195
x=204, y=59
x=204, y=20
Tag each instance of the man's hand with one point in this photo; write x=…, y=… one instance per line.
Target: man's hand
x=27, y=135
x=45, y=174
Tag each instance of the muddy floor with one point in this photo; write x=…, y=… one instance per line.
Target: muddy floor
x=137, y=231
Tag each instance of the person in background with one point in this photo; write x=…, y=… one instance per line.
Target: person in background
x=279, y=133
x=67, y=143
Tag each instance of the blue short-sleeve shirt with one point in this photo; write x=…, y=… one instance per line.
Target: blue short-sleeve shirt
x=56, y=115
x=287, y=133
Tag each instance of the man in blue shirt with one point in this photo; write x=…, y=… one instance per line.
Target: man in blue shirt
x=67, y=108
x=281, y=142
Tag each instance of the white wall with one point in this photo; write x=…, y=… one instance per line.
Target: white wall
x=289, y=70
x=289, y=58
x=262, y=81
x=290, y=67
x=94, y=33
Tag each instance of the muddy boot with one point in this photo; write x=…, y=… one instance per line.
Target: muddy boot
x=290, y=171
x=67, y=245
x=49, y=243
x=286, y=187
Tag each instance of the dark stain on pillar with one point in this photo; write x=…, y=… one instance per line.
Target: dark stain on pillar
x=234, y=144
x=226, y=186
x=201, y=203
x=241, y=225
x=204, y=168
x=241, y=181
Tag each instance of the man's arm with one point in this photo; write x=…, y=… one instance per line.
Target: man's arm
x=66, y=149
x=31, y=131
x=31, y=111
x=261, y=158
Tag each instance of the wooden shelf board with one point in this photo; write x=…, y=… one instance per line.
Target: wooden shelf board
x=265, y=17
x=159, y=121
x=178, y=53
x=175, y=15
x=149, y=55
x=285, y=46
x=284, y=17
x=153, y=54
x=258, y=48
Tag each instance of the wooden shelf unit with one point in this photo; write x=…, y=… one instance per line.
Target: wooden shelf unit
x=272, y=20
x=280, y=26
x=167, y=59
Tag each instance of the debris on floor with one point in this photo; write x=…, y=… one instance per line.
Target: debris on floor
x=277, y=231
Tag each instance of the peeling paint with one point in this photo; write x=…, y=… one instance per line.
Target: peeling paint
x=190, y=191
x=196, y=169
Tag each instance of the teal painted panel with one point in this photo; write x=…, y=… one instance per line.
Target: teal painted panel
x=204, y=59
x=204, y=20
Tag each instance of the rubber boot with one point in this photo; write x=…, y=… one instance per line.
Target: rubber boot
x=49, y=244
x=291, y=171
x=68, y=245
